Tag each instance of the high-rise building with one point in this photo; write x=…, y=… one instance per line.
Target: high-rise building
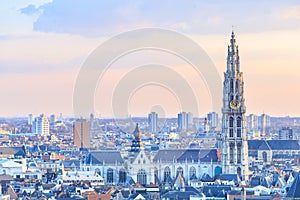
x=30, y=119
x=184, y=120
x=41, y=125
x=81, y=134
x=213, y=120
x=152, y=122
x=264, y=125
x=286, y=133
x=234, y=148
x=252, y=124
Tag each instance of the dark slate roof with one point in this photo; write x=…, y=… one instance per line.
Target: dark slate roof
x=108, y=157
x=229, y=177
x=216, y=190
x=71, y=163
x=255, y=180
x=264, y=146
x=273, y=145
x=179, y=195
x=254, y=144
x=283, y=144
x=294, y=191
x=189, y=155
x=168, y=155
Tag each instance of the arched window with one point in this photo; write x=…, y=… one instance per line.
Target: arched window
x=265, y=156
x=97, y=170
x=231, y=85
x=231, y=122
x=142, y=177
x=231, y=147
x=239, y=171
x=110, y=175
x=179, y=170
x=239, y=152
x=192, y=172
x=155, y=175
x=239, y=122
x=231, y=126
x=167, y=173
x=122, y=176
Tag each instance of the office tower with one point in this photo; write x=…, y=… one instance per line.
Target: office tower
x=213, y=120
x=41, y=126
x=234, y=152
x=264, y=125
x=152, y=122
x=30, y=119
x=81, y=134
x=184, y=121
x=252, y=123
x=53, y=118
x=286, y=133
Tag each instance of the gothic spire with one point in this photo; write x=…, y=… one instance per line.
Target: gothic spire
x=233, y=60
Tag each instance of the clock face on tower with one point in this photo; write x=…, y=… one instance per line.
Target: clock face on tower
x=235, y=104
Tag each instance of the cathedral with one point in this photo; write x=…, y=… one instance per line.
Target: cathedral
x=234, y=147
x=164, y=166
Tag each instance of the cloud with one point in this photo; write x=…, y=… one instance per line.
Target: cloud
x=95, y=18
x=292, y=13
x=29, y=10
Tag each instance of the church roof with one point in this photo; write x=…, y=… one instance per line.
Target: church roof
x=273, y=145
x=107, y=157
x=189, y=155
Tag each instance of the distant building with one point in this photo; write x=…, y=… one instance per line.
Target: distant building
x=264, y=124
x=286, y=133
x=213, y=120
x=152, y=122
x=252, y=125
x=184, y=120
x=270, y=150
x=81, y=131
x=41, y=125
x=30, y=119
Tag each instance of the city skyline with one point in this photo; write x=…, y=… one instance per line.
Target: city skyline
x=40, y=61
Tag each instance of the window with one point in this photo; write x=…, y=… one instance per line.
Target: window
x=239, y=122
x=231, y=85
x=231, y=152
x=179, y=171
x=192, y=172
x=97, y=170
x=231, y=132
x=265, y=156
x=231, y=122
x=167, y=173
x=238, y=132
x=239, y=171
x=110, y=176
x=239, y=152
x=142, y=177
x=155, y=175
x=122, y=176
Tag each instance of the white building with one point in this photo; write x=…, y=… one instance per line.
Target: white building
x=41, y=125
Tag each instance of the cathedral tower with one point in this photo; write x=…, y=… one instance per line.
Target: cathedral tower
x=234, y=152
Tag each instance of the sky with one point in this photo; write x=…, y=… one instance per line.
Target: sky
x=45, y=43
